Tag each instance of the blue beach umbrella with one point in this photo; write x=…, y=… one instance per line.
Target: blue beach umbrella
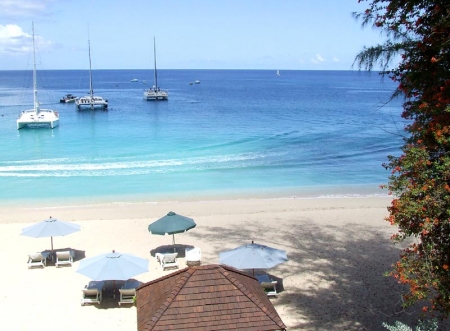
x=50, y=228
x=253, y=256
x=113, y=266
x=172, y=223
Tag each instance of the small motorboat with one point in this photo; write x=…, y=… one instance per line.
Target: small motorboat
x=134, y=80
x=68, y=98
x=197, y=82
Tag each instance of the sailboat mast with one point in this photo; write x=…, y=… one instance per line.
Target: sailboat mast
x=35, y=100
x=91, y=91
x=154, y=55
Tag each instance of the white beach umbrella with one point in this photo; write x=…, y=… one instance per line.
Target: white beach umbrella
x=253, y=256
x=50, y=227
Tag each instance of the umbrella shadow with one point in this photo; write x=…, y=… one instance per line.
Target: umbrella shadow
x=174, y=248
x=79, y=255
x=111, y=294
x=279, y=286
x=258, y=272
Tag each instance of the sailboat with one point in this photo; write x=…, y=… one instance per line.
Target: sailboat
x=155, y=93
x=37, y=117
x=278, y=73
x=91, y=101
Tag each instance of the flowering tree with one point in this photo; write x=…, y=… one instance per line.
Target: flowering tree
x=418, y=35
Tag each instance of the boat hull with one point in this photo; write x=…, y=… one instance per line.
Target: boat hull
x=42, y=118
x=91, y=103
x=68, y=98
x=151, y=95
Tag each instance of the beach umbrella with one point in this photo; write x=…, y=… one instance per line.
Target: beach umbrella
x=171, y=223
x=50, y=228
x=112, y=266
x=253, y=256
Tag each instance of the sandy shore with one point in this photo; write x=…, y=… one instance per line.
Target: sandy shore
x=338, y=250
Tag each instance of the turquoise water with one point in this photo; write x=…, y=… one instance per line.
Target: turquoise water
x=238, y=132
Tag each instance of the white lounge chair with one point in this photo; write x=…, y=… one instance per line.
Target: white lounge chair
x=168, y=260
x=270, y=288
x=128, y=291
x=36, y=260
x=269, y=285
x=193, y=255
x=64, y=258
x=92, y=293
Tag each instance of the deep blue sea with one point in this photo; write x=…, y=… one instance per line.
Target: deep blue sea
x=238, y=133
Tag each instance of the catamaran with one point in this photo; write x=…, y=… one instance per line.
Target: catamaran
x=91, y=101
x=155, y=93
x=37, y=117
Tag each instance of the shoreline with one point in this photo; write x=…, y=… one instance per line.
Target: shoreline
x=191, y=208
x=318, y=192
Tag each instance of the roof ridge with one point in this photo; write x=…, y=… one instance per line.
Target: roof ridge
x=249, y=294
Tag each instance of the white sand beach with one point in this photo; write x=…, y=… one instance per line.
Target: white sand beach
x=338, y=250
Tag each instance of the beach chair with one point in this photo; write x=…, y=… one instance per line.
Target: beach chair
x=193, y=256
x=92, y=293
x=128, y=291
x=270, y=288
x=64, y=258
x=36, y=260
x=168, y=260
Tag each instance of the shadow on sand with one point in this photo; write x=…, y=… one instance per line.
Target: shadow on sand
x=175, y=248
x=79, y=255
x=111, y=295
x=334, y=279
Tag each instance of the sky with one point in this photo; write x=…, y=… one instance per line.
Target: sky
x=190, y=34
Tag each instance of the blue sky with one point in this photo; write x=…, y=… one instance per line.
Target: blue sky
x=190, y=34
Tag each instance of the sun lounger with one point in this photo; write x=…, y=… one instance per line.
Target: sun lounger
x=64, y=258
x=168, y=260
x=128, y=291
x=269, y=285
x=193, y=255
x=92, y=293
x=36, y=260
x=270, y=288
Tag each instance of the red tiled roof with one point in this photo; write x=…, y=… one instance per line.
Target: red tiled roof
x=208, y=297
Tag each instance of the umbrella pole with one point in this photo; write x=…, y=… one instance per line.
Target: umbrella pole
x=173, y=239
x=51, y=254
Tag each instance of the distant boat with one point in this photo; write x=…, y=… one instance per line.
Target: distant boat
x=134, y=80
x=37, y=117
x=155, y=93
x=278, y=73
x=91, y=101
x=190, y=83
x=197, y=82
x=68, y=98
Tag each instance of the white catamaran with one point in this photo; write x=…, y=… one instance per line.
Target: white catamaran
x=155, y=93
x=91, y=101
x=37, y=117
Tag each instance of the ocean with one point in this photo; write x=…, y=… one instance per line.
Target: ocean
x=239, y=133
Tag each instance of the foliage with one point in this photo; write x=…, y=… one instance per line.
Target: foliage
x=418, y=35
x=431, y=325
